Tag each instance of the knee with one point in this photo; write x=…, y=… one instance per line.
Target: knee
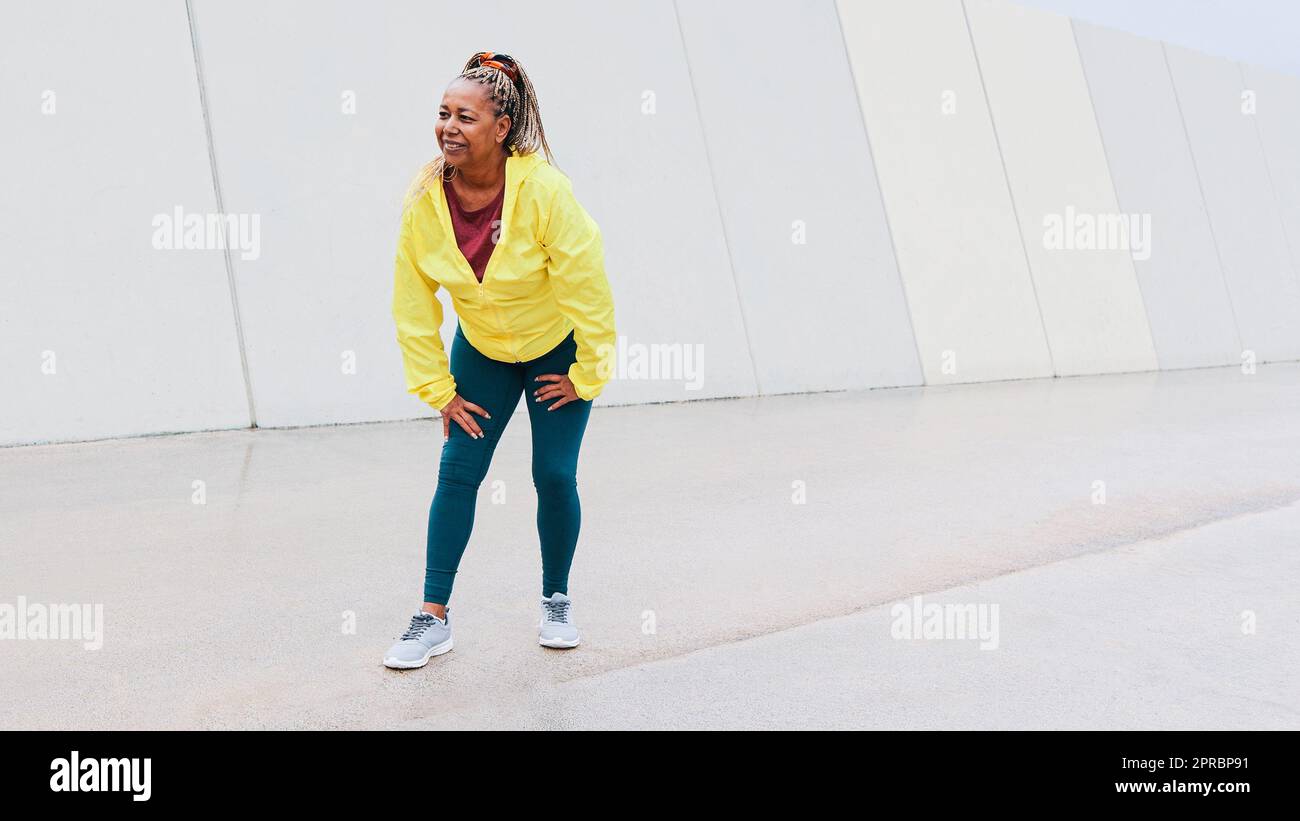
x=554, y=479
x=463, y=466
x=456, y=479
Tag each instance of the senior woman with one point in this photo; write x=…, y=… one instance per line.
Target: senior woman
x=497, y=226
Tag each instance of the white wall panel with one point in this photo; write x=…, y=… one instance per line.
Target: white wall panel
x=102, y=132
x=1151, y=166
x=806, y=230
x=1278, y=119
x=958, y=244
x=1091, y=306
x=1242, y=205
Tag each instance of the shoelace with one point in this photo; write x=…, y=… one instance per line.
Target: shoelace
x=419, y=624
x=557, y=611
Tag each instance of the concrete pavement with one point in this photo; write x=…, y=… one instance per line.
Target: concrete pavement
x=739, y=565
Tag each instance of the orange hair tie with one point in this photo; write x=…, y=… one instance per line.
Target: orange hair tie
x=505, y=63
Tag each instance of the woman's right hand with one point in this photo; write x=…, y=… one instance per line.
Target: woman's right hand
x=459, y=409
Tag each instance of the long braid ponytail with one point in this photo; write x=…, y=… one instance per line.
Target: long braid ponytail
x=510, y=95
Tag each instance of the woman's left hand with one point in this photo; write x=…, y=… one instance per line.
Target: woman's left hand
x=560, y=387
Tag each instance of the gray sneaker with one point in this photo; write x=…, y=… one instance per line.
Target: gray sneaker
x=428, y=636
x=556, y=628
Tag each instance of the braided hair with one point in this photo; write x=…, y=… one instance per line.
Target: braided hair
x=510, y=92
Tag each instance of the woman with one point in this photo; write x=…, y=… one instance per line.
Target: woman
x=498, y=227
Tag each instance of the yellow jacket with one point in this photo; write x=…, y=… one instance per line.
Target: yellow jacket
x=545, y=278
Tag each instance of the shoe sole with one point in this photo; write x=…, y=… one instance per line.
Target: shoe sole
x=436, y=650
x=558, y=644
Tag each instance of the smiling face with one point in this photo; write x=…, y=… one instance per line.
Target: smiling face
x=468, y=132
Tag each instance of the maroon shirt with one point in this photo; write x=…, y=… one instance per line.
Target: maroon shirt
x=474, y=229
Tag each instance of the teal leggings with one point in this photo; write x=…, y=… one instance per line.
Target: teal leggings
x=557, y=435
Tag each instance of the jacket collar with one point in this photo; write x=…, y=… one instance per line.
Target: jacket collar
x=521, y=165
x=518, y=167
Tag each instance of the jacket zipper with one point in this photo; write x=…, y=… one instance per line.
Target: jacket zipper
x=500, y=323
x=482, y=297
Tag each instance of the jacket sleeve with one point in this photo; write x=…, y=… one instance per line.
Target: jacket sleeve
x=418, y=315
x=576, y=268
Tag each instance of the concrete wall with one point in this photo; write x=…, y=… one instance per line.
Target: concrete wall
x=1278, y=121
x=1222, y=128
x=959, y=249
x=1056, y=166
x=1151, y=163
x=805, y=228
x=818, y=196
x=101, y=333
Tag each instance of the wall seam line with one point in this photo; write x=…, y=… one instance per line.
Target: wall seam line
x=1011, y=194
x=1272, y=184
x=1205, y=201
x=227, y=253
x=1114, y=190
x=717, y=202
x=880, y=193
